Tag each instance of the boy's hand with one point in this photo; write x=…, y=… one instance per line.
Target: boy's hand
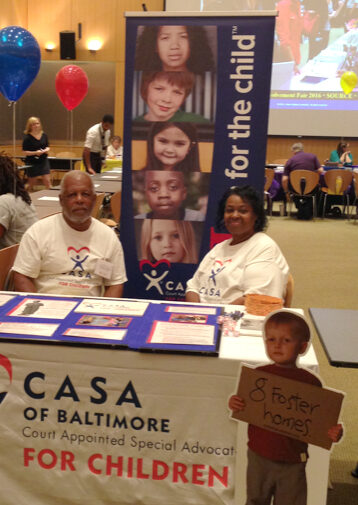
x=335, y=433
x=236, y=403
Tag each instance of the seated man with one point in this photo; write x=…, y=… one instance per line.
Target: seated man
x=299, y=161
x=71, y=253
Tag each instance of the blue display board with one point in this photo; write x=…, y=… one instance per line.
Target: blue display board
x=105, y=322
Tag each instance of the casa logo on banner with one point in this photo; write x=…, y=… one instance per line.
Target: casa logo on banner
x=5, y=364
x=158, y=278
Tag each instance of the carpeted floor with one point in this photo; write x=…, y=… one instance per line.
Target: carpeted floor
x=322, y=255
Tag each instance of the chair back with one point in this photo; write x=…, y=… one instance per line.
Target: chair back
x=304, y=181
x=287, y=302
x=338, y=180
x=7, y=258
x=355, y=181
x=97, y=206
x=269, y=175
x=79, y=165
x=116, y=200
x=66, y=154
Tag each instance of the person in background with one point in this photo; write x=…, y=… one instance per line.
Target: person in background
x=299, y=161
x=35, y=146
x=71, y=253
x=16, y=211
x=289, y=31
x=115, y=150
x=249, y=262
x=164, y=239
x=97, y=140
x=342, y=154
x=316, y=25
x=277, y=463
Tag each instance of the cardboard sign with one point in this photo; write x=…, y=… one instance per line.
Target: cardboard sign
x=292, y=408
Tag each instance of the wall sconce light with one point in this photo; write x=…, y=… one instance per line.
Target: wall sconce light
x=50, y=46
x=93, y=45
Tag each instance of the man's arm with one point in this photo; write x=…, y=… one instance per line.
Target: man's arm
x=23, y=283
x=87, y=159
x=115, y=291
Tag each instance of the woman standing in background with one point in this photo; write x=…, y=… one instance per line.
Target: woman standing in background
x=35, y=147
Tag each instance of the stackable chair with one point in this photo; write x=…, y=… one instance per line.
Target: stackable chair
x=338, y=181
x=96, y=211
x=303, y=183
x=269, y=176
x=7, y=258
x=57, y=175
x=79, y=165
x=355, y=203
x=115, y=205
x=287, y=302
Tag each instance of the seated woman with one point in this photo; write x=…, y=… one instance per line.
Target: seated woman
x=16, y=211
x=249, y=262
x=342, y=155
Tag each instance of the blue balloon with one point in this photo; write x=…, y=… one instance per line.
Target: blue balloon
x=20, y=59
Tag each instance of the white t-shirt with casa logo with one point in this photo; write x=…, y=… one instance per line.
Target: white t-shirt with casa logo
x=62, y=260
x=227, y=272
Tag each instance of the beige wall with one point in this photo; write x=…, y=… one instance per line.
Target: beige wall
x=102, y=19
x=105, y=19
x=280, y=147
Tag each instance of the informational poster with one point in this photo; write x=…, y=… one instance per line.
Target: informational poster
x=292, y=408
x=196, y=112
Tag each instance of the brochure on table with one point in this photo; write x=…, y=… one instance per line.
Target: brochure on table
x=133, y=324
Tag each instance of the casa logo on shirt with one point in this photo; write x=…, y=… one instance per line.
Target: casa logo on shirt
x=217, y=268
x=5, y=364
x=79, y=257
x=157, y=276
x=211, y=289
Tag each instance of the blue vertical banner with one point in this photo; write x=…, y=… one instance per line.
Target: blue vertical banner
x=195, y=123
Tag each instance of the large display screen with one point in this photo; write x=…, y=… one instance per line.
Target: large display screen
x=316, y=42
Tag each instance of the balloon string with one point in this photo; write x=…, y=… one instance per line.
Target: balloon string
x=13, y=105
x=71, y=132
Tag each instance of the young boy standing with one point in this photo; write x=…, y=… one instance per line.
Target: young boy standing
x=277, y=463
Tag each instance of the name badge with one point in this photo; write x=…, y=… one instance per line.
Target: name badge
x=103, y=269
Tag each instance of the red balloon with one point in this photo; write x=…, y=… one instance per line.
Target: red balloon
x=71, y=85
